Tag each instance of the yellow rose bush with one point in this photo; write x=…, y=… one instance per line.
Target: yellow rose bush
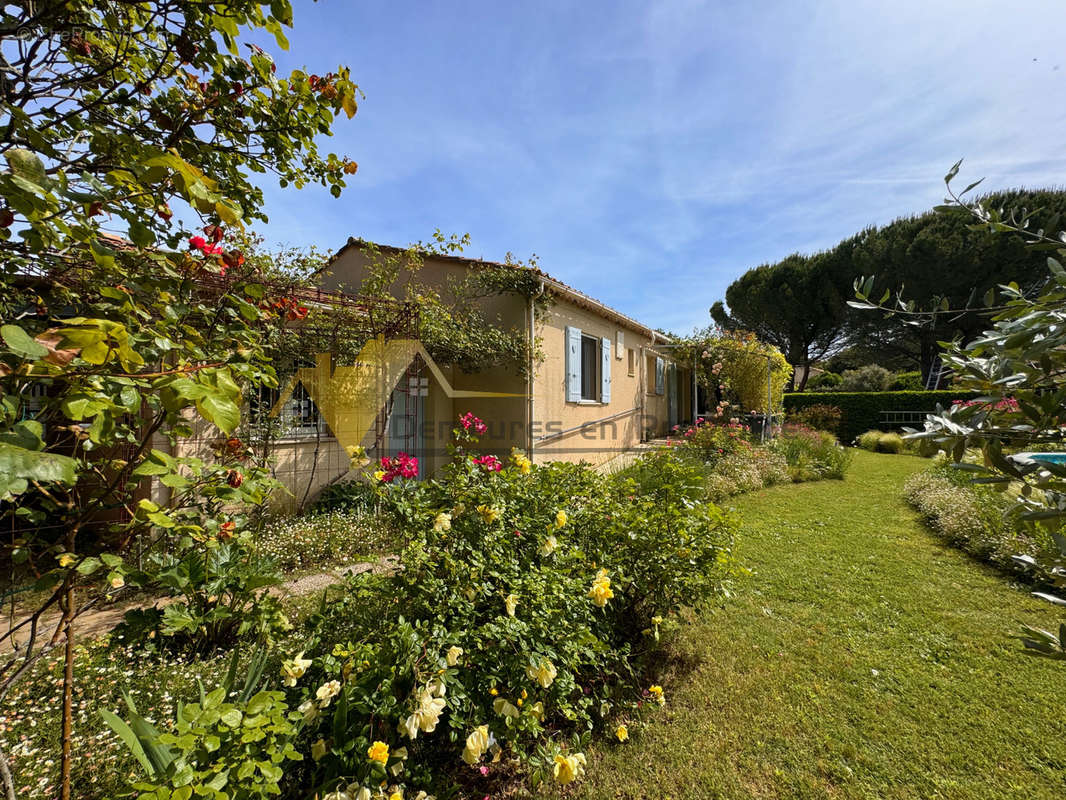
x=508, y=635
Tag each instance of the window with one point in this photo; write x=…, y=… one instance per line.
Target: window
x=298, y=416
x=655, y=375
x=632, y=361
x=590, y=368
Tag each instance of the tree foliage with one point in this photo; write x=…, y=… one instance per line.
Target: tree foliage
x=127, y=115
x=800, y=303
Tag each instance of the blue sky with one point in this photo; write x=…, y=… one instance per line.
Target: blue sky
x=649, y=153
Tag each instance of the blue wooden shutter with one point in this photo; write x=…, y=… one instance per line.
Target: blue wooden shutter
x=573, y=364
x=605, y=370
x=660, y=376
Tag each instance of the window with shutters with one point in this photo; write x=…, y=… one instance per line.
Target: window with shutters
x=590, y=368
x=632, y=365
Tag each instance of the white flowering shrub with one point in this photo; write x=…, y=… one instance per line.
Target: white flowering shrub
x=509, y=634
x=973, y=518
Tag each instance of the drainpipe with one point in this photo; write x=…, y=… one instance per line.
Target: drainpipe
x=695, y=388
x=530, y=369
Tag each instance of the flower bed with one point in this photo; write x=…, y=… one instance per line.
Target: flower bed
x=521, y=622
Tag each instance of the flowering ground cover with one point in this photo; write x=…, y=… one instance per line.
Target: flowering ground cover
x=864, y=659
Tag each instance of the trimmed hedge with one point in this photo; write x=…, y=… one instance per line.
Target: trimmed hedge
x=861, y=411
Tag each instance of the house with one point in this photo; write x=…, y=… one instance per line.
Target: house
x=605, y=382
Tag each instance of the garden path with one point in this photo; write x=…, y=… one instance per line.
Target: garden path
x=99, y=621
x=863, y=659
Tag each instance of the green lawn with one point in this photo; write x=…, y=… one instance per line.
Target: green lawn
x=863, y=660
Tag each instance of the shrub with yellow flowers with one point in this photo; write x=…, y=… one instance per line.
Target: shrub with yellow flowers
x=508, y=634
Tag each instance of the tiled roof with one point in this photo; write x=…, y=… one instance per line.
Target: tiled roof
x=553, y=284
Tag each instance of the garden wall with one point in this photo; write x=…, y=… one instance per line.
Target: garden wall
x=861, y=411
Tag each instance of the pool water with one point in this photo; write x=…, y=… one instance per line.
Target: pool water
x=1048, y=458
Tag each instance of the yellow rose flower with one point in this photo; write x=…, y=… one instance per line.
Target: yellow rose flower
x=294, y=668
x=525, y=466
x=600, y=592
x=622, y=733
x=657, y=694
x=493, y=691
x=453, y=654
x=443, y=522
x=560, y=518
x=427, y=715
x=543, y=673
x=378, y=751
x=549, y=546
x=476, y=745
x=357, y=456
x=488, y=513
x=504, y=708
x=378, y=475
x=327, y=691
x=509, y=604
x=569, y=768
x=67, y=559
x=537, y=710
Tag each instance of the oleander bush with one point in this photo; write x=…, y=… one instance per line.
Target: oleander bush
x=713, y=441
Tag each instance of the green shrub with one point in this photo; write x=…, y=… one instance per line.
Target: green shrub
x=354, y=495
x=218, y=591
x=869, y=440
x=811, y=454
x=824, y=382
x=237, y=742
x=861, y=411
x=821, y=417
x=319, y=539
x=746, y=471
x=710, y=442
x=890, y=443
x=870, y=378
x=512, y=627
x=907, y=382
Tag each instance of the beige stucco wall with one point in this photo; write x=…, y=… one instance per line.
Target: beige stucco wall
x=635, y=410
x=505, y=416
